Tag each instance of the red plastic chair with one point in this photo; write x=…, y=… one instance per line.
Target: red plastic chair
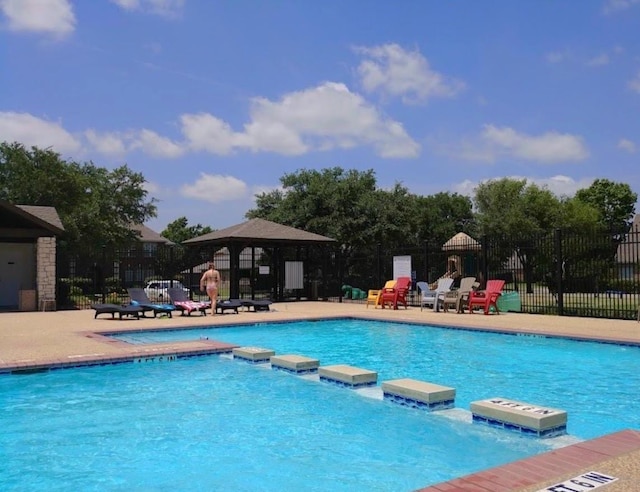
x=487, y=297
x=396, y=295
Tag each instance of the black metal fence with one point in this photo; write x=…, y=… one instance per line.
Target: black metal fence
x=261, y=273
x=570, y=273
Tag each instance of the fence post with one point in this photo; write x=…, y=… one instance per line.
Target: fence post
x=484, y=262
x=379, y=264
x=559, y=270
x=426, y=260
x=340, y=273
x=102, y=270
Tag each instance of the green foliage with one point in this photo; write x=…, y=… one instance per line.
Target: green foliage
x=441, y=216
x=95, y=205
x=339, y=204
x=179, y=230
x=514, y=207
x=615, y=203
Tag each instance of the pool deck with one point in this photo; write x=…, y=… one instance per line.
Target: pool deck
x=37, y=340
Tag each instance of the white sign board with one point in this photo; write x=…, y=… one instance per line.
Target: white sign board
x=263, y=269
x=401, y=266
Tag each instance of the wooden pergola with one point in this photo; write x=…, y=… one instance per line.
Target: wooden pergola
x=258, y=233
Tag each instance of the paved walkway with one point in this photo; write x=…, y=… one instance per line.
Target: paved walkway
x=31, y=341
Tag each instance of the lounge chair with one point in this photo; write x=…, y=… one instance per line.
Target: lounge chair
x=396, y=295
x=181, y=301
x=459, y=296
x=114, y=309
x=139, y=298
x=488, y=297
x=434, y=297
x=256, y=305
x=229, y=305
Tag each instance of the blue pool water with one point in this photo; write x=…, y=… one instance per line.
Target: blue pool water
x=212, y=423
x=597, y=384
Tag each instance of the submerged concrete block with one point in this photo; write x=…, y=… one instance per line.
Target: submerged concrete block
x=521, y=417
x=297, y=364
x=349, y=376
x=253, y=354
x=419, y=394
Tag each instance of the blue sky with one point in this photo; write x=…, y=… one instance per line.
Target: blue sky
x=213, y=101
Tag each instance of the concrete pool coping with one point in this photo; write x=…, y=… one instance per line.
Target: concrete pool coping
x=35, y=340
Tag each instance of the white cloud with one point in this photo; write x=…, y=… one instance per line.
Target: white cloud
x=106, y=143
x=495, y=143
x=559, y=185
x=599, y=60
x=557, y=56
x=634, y=84
x=48, y=16
x=392, y=70
x=30, y=130
x=613, y=6
x=321, y=118
x=627, y=145
x=215, y=188
x=165, y=8
x=153, y=144
x=206, y=132
x=548, y=147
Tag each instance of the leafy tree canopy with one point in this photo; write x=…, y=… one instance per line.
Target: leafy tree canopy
x=333, y=202
x=615, y=203
x=443, y=215
x=96, y=205
x=179, y=230
x=511, y=206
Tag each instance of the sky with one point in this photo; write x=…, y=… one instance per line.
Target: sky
x=214, y=101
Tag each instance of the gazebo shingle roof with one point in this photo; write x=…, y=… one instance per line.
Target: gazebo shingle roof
x=461, y=242
x=260, y=230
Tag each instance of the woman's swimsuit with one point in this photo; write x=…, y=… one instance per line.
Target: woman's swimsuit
x=212, y=286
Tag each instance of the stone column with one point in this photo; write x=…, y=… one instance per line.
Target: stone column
x=46, y=273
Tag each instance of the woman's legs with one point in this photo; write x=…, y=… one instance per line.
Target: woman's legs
x=213, y=295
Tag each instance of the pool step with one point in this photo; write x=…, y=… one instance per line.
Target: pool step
x=520, y=417
x=419, y=394
x=295, y=364
x=254, y=355
x=348, y=376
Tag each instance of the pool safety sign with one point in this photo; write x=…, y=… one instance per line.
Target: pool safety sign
x=587, y=481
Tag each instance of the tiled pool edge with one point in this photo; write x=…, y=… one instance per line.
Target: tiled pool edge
x=546, y=469
x=135, y=354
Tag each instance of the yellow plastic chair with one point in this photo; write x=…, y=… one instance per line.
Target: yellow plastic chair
x=374, y=296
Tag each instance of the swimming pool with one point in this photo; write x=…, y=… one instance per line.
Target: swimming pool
x=212, y=423
x=596, y=383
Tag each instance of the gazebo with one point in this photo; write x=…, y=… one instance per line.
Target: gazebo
x=458, y=246
x=280, y=264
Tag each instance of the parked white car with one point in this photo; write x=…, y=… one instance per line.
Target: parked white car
x=156, y=290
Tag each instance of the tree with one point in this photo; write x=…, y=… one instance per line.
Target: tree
x=179, y=230
x=615, y=203
x=96, y=205
x=332, y=202
x=518, y=213
x=443, y=215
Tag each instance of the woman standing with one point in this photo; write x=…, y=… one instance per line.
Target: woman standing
x=209, y=283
